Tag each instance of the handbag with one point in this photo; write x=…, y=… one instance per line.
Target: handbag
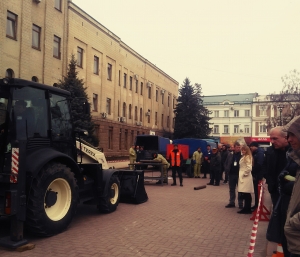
x=274, y=230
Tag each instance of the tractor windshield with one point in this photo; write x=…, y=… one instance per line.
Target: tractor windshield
x=28, y=109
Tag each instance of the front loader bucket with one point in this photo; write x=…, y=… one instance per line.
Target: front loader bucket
x=132, y=186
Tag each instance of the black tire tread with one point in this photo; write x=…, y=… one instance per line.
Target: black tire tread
x=105, y=205
x=37, y=221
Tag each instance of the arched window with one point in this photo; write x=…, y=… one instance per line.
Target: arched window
x=35, y=79
x=55, y=85
x=141, y=114
x=124, y=110
x=135, y=113
x=129, y=114
x=9, y=73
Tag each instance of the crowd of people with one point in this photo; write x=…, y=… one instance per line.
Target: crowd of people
x=242, y=167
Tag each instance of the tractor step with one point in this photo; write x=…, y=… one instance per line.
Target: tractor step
x=8, y=243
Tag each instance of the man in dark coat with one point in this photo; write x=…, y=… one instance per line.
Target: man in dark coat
x=257, y=169
x=232, y=168
x=224, y=155
x=215, y=167
x=206, y=162
x=275, y=160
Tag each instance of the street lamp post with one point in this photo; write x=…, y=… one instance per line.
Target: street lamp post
x=280, y=108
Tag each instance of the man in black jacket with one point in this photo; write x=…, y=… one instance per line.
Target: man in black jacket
x=257, y=169
x=232, y=167
x=215, y=167
x=275, y=160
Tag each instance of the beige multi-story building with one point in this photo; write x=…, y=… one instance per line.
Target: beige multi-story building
x=128, y=94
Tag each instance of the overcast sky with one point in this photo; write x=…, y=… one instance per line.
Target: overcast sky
x=227, y=46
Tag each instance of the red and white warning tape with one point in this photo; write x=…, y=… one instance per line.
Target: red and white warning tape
x=255, y=223
x=14, y=165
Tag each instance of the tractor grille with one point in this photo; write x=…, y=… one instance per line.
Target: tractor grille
x=37, y=142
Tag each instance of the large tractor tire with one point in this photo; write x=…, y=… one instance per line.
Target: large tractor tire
x=110, y=202
x=52, y=200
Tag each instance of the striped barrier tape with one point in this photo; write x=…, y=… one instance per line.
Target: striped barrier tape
x=255, y=223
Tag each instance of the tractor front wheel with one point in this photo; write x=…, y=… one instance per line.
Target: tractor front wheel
x=52, y=200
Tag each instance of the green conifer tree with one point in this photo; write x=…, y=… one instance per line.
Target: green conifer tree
x=191, y=119
x=76, y=87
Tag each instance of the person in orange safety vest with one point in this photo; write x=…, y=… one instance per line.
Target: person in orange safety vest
x=175, y=161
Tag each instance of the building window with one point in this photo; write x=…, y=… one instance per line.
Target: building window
x=149, y=92
x=156, y=95
x=109, y=71
x=132, y=136
x=216, y=114
x=126, y=139
x=124, y=110
x=108, y=105
x=155, y=118
x=162, y=98
x=11, y=25
x=226, y=129
x=96, y=65
x=141, y=88
x=162, y=120
x=118, y=108
x=148, y=118
x=135, y=113
x=36, y=37
x=141, y=114
x=236, y=113
x=174, y=103
x=125, y=79
x=236, y=129
x=262, y=110
x=9, y=73
x=110, y=138
x=168, y=121
x=79, y=57
x=168, y=100
x=247, y=113
x=136, y=86
x=95, y=102
x=57, y=4
x=56, y=47
x=216, y=129
x=130, y=83
x=247, y=129
x=226, y=113
x=120, y=139
x=129, y=112
x=262, y=128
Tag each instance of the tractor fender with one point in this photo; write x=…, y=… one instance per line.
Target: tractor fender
x=37, y=159
x=106, y=175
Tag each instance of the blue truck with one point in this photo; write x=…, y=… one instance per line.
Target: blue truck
x=194, y=143
x=151, y=144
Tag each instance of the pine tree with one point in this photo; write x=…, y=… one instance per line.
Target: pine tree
x=191, y=119
x=76, y=87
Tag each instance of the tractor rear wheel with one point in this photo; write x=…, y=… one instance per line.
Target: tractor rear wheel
x=52, y=200
x=110, y=201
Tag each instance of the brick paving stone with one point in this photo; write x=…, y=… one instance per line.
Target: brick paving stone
x=175, y=222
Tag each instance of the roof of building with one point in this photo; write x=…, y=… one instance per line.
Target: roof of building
x=229, y=99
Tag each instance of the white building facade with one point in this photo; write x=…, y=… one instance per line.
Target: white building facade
x=236, y=116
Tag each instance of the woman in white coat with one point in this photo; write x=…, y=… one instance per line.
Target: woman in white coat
x=245, y=182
